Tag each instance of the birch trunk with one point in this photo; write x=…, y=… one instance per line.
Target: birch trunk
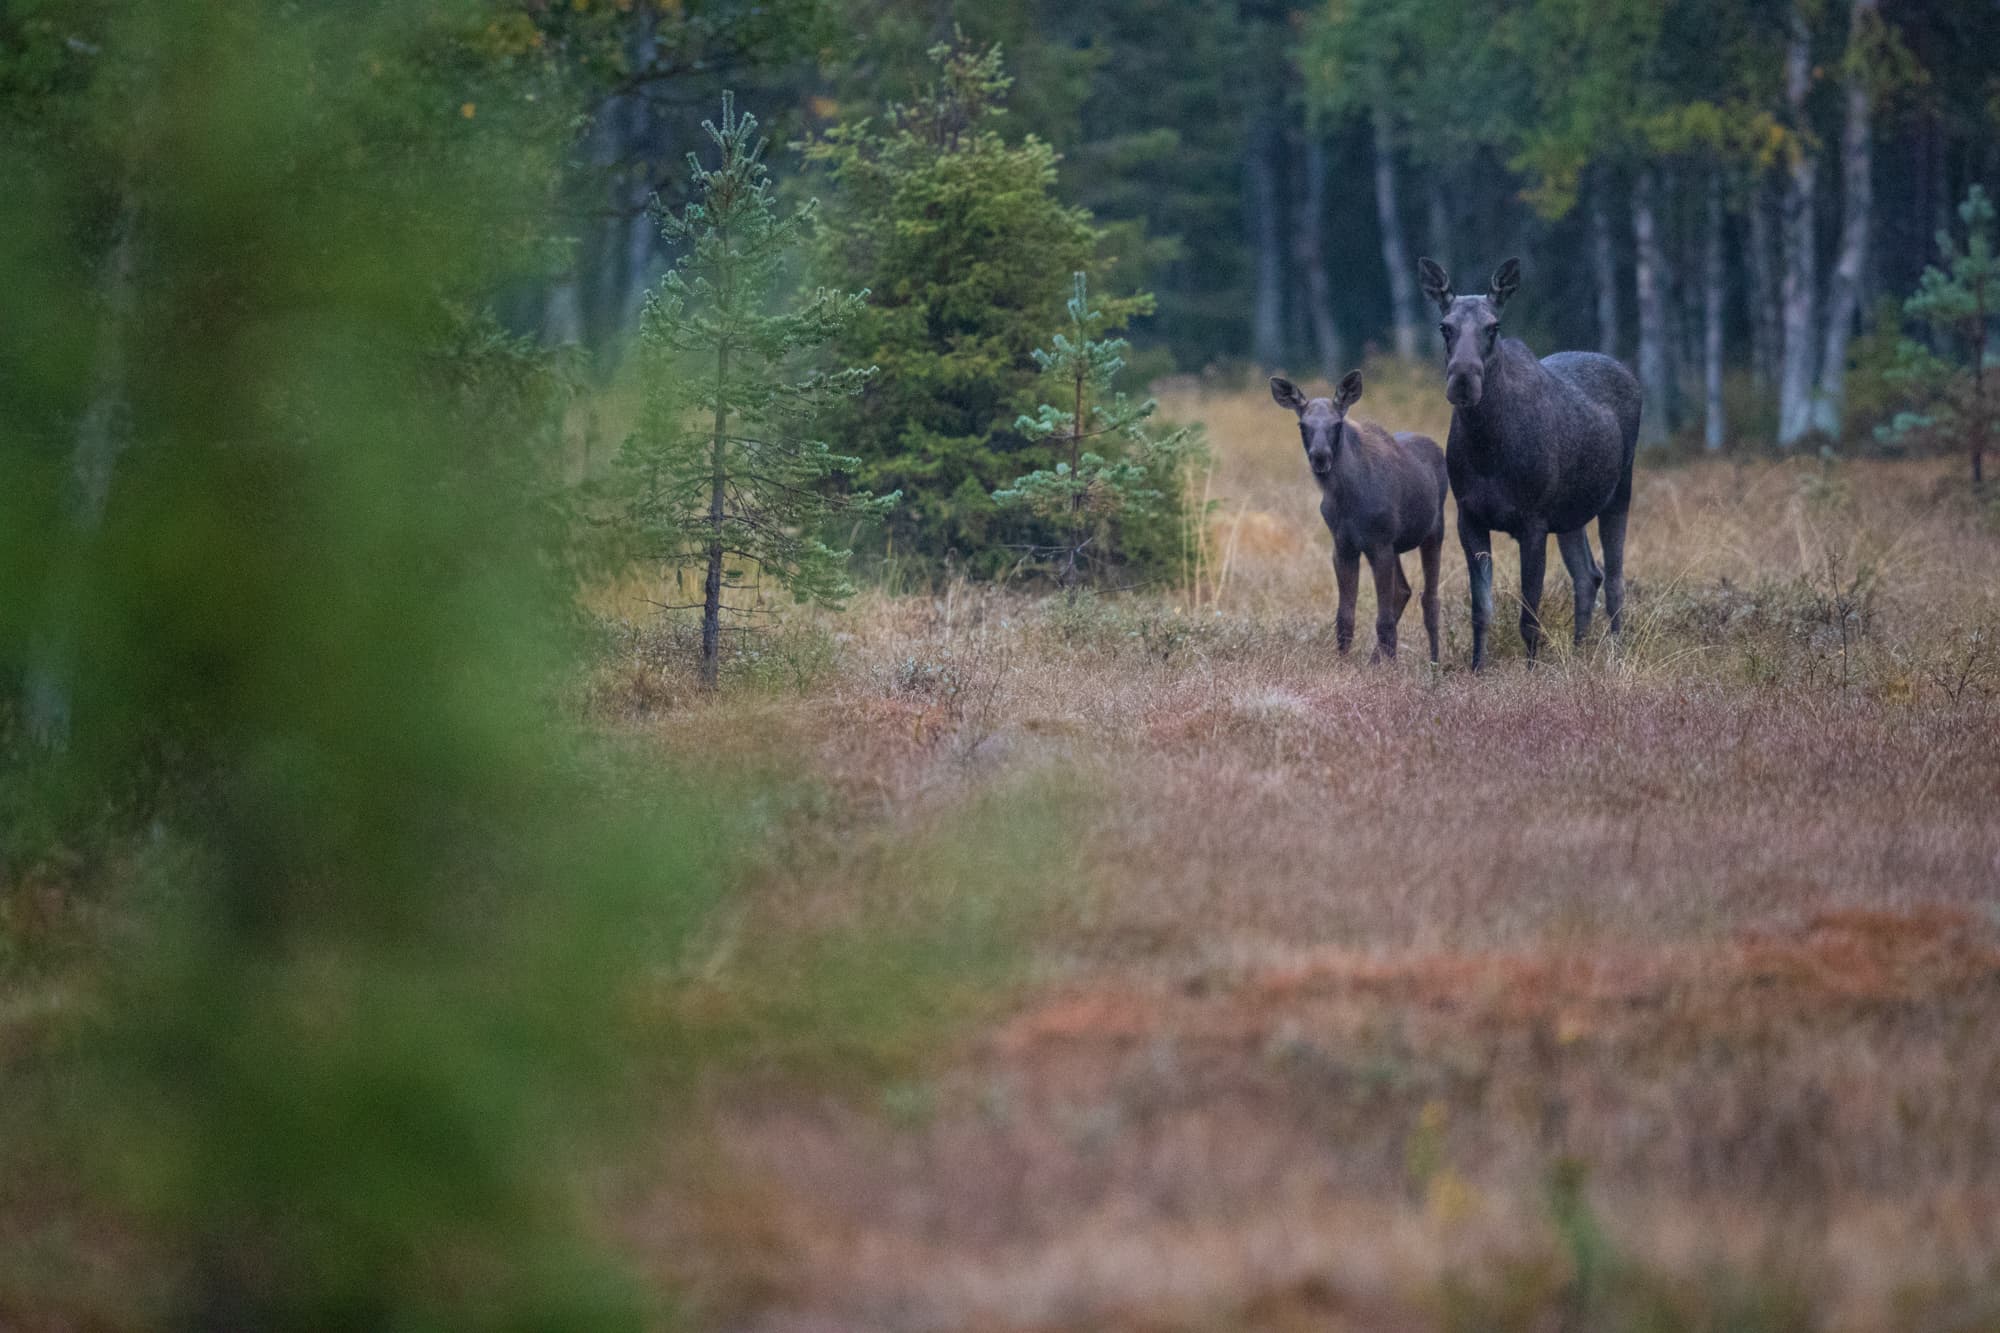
x=1604, y=268
x=640, y=239
x=1309, y=240
x=1298, y=318
x=1395, y=257
x=562, y=314
x=1438, y=222
x=1857, y=166
x=1766, y=334
x=1714, y=427
x=1680, y=288
x=1649, y=270
x=1267, y=314
x=1795, y=378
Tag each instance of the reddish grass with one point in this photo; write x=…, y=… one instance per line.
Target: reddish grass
x=1338, y=974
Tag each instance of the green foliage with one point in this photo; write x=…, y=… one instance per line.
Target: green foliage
x=1449, y=83
x=1955, y=404
x=936, y=938
x=966, y=250
x=1162, y=172
x=1087, y=497
x=622, y=45
x=719, y=469
x=1959, y=295
x=1597, y=94
x=289, y=540
x=1873, y=356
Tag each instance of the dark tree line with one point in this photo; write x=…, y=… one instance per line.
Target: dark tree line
x=1702, y=187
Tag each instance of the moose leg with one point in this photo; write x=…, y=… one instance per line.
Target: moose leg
x=1391, y=591
x=1478, y=545
x=1584, y=576
x=1432, y=549
x=1402, y=586
x=1347, y=574
x=1611, y=536
x=1534, y=560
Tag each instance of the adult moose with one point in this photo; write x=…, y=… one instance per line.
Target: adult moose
x=1380, y=495
x=1536, y=447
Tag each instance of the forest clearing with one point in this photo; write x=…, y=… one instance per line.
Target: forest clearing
x=705, y=665
x=1372, y=997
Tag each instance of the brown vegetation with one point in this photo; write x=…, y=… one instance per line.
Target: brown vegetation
x=1649, y=987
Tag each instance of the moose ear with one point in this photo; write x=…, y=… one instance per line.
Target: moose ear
x=1506, y=279
x=1349, y=392
x=1286, y=394
x=1435, y=282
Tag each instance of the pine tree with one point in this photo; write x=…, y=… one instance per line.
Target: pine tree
x=720, y=474
x=966, y=247
x=1958, y=299
x=1087, y=495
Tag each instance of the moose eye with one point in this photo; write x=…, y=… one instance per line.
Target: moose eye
x=1445, y=329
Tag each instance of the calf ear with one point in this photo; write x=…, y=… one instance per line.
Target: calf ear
x=1286, y=394
x=1349, y=392
x=1505, y=279
x=1435, y=282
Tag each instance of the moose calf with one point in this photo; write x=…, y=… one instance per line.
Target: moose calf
x=1380, y=495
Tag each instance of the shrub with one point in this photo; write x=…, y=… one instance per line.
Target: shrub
x=966, y=252
x=1095, y=500
x=1956, y=403
x=719, y=475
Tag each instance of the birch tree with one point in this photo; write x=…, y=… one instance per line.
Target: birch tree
x=1876, y=62
x=1603, y=264
x=1713, y=300
x=1395, y=257
x=1650, y=278
x=1801, y=240
x=1309, y=252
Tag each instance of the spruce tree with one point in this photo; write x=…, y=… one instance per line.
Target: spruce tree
x=1110, y=472
x=967, y=249
x=721, y=474
x=1958, y=299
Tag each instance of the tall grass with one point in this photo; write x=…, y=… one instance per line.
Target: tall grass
x=1642, y=989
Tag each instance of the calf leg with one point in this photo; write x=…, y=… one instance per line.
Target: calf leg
x=1388, y=571
x=1611, y=536
x=1346, y=574
x=1534, y=561
x=1478, y=545
x=1432, y=549
x=1584, y=575
x=1402, y=587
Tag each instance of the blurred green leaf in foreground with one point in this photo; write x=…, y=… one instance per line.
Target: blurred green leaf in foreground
x=288, y=585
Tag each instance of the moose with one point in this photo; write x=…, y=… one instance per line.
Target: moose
x=1380, y=495
x=1536, y=447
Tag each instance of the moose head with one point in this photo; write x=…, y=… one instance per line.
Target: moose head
x=1470, y=327
x=1321, y=420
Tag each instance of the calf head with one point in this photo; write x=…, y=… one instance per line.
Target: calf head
x=1322, y=421
x=1470, y=327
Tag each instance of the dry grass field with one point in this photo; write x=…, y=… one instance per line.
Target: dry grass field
x=1168, y=972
